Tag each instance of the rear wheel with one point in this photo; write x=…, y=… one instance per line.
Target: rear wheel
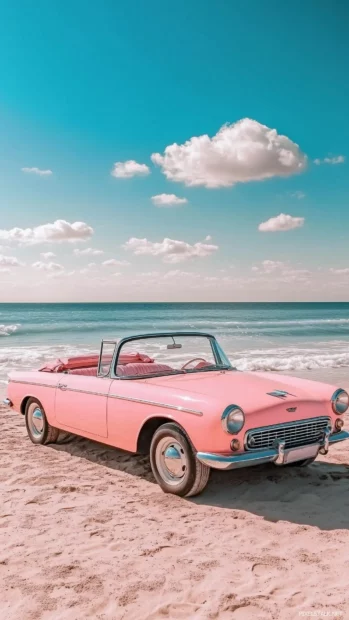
x=38, y=428
x=174, y=464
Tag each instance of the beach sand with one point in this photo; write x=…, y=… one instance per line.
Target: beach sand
x=86, y=533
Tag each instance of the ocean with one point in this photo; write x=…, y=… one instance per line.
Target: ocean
x=305, y=339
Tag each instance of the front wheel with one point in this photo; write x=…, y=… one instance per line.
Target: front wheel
x=38, y=428
x=174, y=464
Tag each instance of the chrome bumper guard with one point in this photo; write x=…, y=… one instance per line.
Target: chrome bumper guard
x=7, y=402
x=278, y=455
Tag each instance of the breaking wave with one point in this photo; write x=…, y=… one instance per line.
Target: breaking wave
x=291, y=362
x=277, y=322
x=7, y=330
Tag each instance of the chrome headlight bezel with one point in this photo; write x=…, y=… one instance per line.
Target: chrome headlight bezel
x=233, y=419
x=339, y=408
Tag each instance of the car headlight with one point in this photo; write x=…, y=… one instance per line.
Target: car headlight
x=340, y=401
x=233, y=419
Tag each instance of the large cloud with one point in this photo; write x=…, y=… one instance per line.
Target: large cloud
x=129, y=169
x=241, y=152
x=57, y=232
x=281, y=223
x=170, y=250
x=168, y=200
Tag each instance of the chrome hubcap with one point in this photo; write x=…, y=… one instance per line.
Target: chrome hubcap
x=36, y=421
x=171, y=461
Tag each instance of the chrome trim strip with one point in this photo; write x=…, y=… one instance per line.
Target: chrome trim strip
x=155, y=404
x=68, y=389
x=32, y=383
x=133, y=400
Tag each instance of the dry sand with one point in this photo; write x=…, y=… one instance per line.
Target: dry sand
x=86, y=533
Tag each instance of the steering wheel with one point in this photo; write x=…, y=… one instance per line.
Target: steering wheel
x=195, y=359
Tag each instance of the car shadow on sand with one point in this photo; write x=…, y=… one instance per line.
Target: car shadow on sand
x=317, y=495
x=107, y=456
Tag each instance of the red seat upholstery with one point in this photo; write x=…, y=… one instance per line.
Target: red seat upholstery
x=126, y=370
x=87, y=372
x=132, y=370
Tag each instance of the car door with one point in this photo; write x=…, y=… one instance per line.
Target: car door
x=81, y=403
x=130, y=404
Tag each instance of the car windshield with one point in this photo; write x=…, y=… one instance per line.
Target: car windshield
x=168, y=355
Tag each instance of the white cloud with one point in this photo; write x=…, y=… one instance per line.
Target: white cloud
x=88, y=252
x=91, y=267
x=149, y=274
x=7, y=262
x=170, y=250
x=112, y=262
x=282, y=272
x=129, y=169
x=57, y=232
x=343, y=271
x=47, y=266
x=62, y=274
x=241, y=152
x=177, y=273
x=268, y=266
x=340, y=159
x=281, y=223
x=168, y=200
x=47, y=255
x=38, y=171
x=298, y=194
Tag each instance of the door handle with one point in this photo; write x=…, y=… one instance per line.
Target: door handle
x=62, y=386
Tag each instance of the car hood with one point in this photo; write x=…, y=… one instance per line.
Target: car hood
x=250, y=390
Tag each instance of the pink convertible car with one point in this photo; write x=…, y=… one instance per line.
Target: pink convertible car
x=177, y=397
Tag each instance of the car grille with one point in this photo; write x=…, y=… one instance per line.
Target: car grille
x=294, y=434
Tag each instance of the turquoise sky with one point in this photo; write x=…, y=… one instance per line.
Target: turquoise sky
x=85, y=85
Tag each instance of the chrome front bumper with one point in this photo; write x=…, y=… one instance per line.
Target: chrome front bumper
x=278, y=455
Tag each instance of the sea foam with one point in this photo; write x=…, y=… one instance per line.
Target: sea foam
x=7, y=330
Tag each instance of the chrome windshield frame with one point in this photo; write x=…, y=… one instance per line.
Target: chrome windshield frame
x=218, y=353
